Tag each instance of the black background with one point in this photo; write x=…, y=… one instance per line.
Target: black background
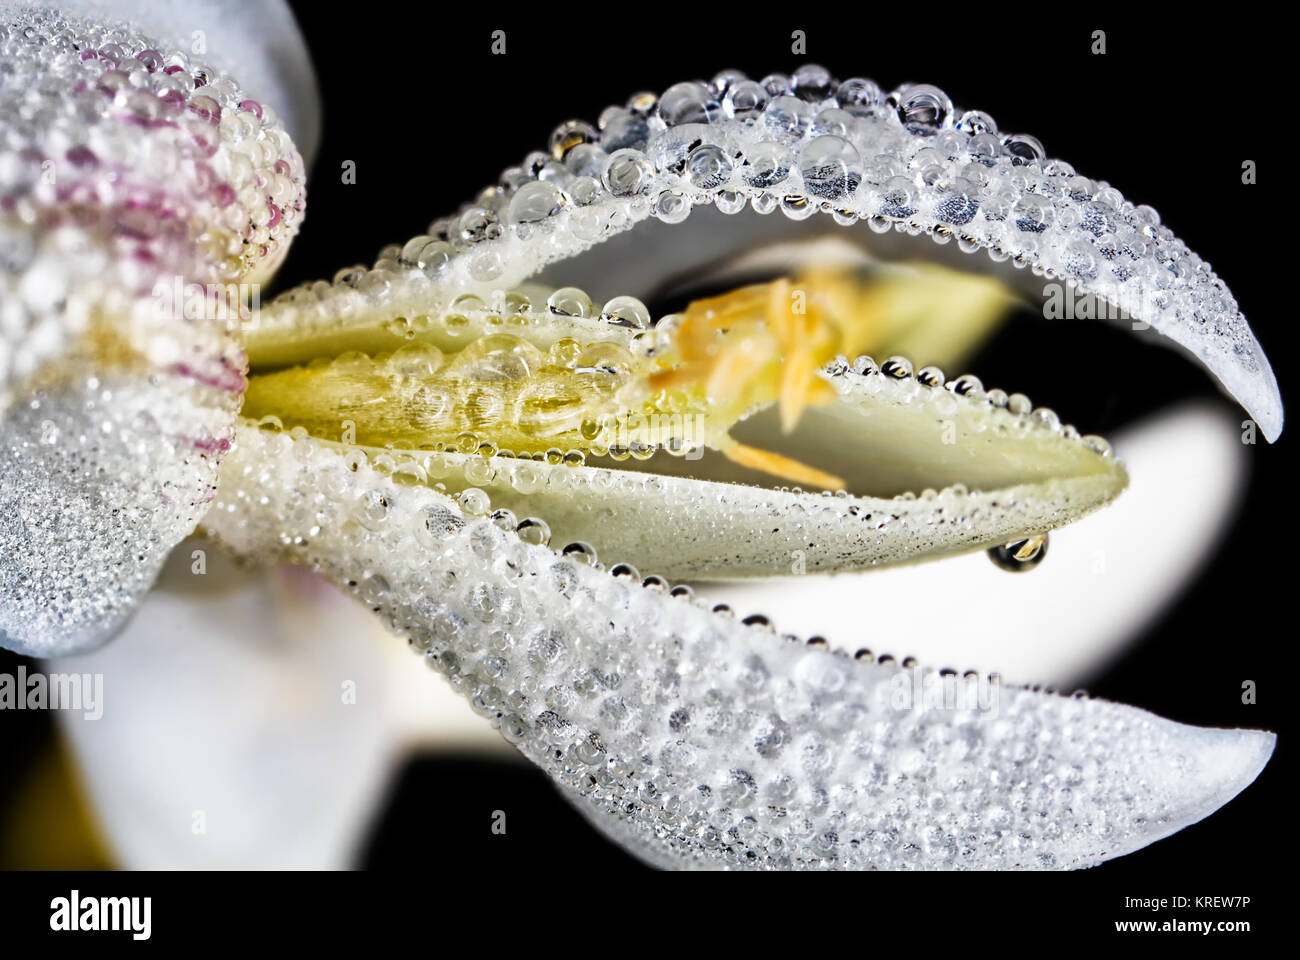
x=1167, y=115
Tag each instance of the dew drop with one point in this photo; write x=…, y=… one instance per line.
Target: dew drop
x=626, y=312
x=474, y=501
x=505, y=519
x=1020, y=555
x=899, y=368
x=534, y=530
x=581, y=552
x=570, y=302
x=930, y=376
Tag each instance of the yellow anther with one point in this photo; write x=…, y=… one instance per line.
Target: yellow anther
x=765, y=461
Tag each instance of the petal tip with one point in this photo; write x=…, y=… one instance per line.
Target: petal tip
x=1233, y=760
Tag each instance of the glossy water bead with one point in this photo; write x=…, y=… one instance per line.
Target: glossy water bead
x=719, y=743
x=908, y=160
x=142, y=192
x=693, y=735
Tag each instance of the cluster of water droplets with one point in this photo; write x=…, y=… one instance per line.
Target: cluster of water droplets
x=697, y=738
x=126, y=164
x=700, y=739
x=741, y=529
x=133, y=180
x=468, y=314
x=906, y=160
x=929, y=384
x=543, y=374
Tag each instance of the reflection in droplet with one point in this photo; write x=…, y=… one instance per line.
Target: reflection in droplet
x=1020, y=555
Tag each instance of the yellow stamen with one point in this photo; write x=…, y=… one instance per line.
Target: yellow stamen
x=736, y=364
x=765, y=461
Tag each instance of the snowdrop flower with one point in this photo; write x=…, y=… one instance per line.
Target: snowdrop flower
x=468, y=434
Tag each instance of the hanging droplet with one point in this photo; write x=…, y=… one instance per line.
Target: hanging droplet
x=1020, y=555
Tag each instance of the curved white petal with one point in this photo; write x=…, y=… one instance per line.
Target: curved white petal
x=701, y=741
x=258, y=42
x=251, y=719
x=1026, y=475
x=1103, y=581
x=141, y=192
x=672, y=183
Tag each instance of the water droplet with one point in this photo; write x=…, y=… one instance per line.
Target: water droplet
x=745, y=99
x=787, y=119
x=690, y=102
x=534, y=202
x=474, y=501
x=767, y=164
x=859, y=96
x=626, y=312
x=1024, y=149
x=497, y=357
x=923, y=109
x=569, y=135
x=628, y=173
x=831, y=167
x=372, y=509
x=1020, y=555
x=534, y=530
x=1098, y=445
x=570, y=302
x=415, y=360
x=864, y=366
x=708, y=167
x=899, y=368
x=930, y=376
x=812, y=82
x=671, y=206
x=976, y=122
x=581, y=552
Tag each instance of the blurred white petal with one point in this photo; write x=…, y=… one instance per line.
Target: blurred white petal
x=224, y=699
x=259, y=43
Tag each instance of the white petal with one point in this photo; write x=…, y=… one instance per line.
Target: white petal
x=257, y=42
x=653, y=220
x=1103, y=581
x=119, y=377
x=224, y=704
x=701, y=741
